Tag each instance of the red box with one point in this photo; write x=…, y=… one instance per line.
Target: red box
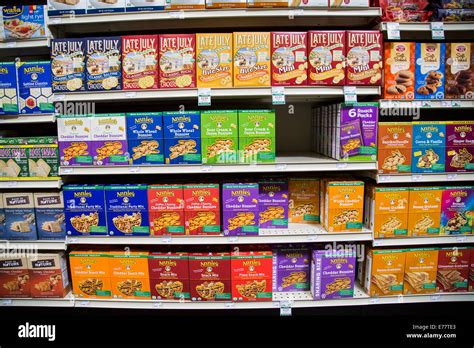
x=289, y=59
x=209, y=275
x=252, y=265
x=166, y=209
x=326, y=57
x=202, y=209
x=48, y=275
x=471, y=271
x=140, y=62
x=251, y=290
x=177, y=61
x=453, y=270
x=211, y=290
x=14, y=277
x=364, y=58
x=169, y=275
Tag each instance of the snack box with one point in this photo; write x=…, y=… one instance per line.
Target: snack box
x=421, y=266
x=364, y=58
x=75, y=140
x=109, y=139
x=289, y=58
x=145, y=138
x=457, y=207
x=14, y=277
x=399, y=76
x=43, y=157
x=459, y=70
x=430, y=70
x=20, y=222
x=202, y=209
x=182, y=137
x=395, y=147
x=14, y=157
x=273, y=204
x=291, y=270
x=425, y=211
x=48, y=275
x=257, y=139
x=240, y=209
x=429, y=147
x=8, y=89
x=34, y=87
x=50, y=218
x=103, y=63
x=129, y=275
x=214, y=60
x=177, y=60
x=453, y=270
x=68, y=65
x=169, y=276
x=385, y=271
x=166, y=209
x=90, y=274
x=140, y=62
x=24, y=22
x=303, y=203
x=459, y=146
x=105, y=6
x=219, y=131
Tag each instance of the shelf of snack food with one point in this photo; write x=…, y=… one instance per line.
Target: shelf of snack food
x=32, y=245
x=30, y=183
x=453, y=239
x=29, y=119
x=427, y=104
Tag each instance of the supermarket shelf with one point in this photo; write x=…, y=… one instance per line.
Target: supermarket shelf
x=414, y=31
x=24, y=48
x=219, y=18
x=455, y=239
x=426, y=104
x=416, y=178
x=68, y=301
x=32, y=245
x=14, y=119
x=30, y=183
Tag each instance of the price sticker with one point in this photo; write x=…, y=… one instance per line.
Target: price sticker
x=427, y=104
x=134, y=169
x=393, y=31
x=67, y=170
x=374, y=300
x=461, y=239
x=446, y=103
x=400, y=298
x=456, y=103
x=55, y=20
x=204, y=97
x=384, y=178
x=11, y=44
x=278, y=96
x=58, y=97
x=416, y=104
x=157, y=304
x=435, y=298
x=417, y=177
x=233, y=239
x=7, y=302
x=377, y=242
x=437, y=30
x=83, y=303
x=166, y=239
x=206, y=168
x=312, y=238
x=452, y=177
x=285, y=309
x=12, y=183
x=341, y=165
x=281, y=167
x=350, y=94
x=229, y=305
x=71, y=240
x=130, y=94
x=177, y=14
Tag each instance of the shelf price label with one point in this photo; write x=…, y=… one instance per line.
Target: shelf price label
x=456, y=103
x=393, y=31
x=285, y=309
x=229, y=305
x=350, y=94
x=177, y=14
x=417, y=177
x=204, y=97
x=452, y=177
x=233, y=239
x=7, y=302
x=435, y=298
x=437, y=30
x=461, y=239
x=157, y=304
x=166, y=240
x=278, y=96
x=427, y=103
x=130, y=94
x=293, y=13
x=83, y=303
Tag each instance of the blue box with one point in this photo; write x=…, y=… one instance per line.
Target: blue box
x=49, y=211
x=20, y=221
x=8, y=89
x=84, y=209
x=127, y=210
x=29, y=17
x=67, y=65
x=182, y=133
x=145, y=138
x=183, y=151
x=429, y=147
x=103, y=63
x=430, y=70
x=34, y=88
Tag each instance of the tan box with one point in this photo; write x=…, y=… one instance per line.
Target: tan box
x=48, y=275
x=421, y=266
x=303, y=201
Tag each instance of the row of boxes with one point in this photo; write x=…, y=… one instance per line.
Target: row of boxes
x=190, y=137
x=23, y=22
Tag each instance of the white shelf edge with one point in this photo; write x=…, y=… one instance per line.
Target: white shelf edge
x=422, y=178
x=454, y=239
x=14, y=183
x=67, y=301
x=9, y=45
x=426, y=26
x=426, y=104
x=33, y=245
x=15, y=119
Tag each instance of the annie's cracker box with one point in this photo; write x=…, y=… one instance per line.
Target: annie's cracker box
x=364, y=58
x=127, y=210
x=385, y=271
x=399, y=74
x=145, y=138
x=67, y=65
x=24, y=22
x=13, y=157
x=430, y=70
x=289, y=58
x=240, y=209
x=185, y=4
x=20, y=222
x=66, y=7
x=105, y=6
x=49, y=211
x=202, y=209
x=43, y=157
x=220, y=136
x=214, y=60
x=14, y=277
x=326, y=56
x=109, y=139
x=420, y=271
x=303, y=203
x=103, y=63
x=273, y=204
x=453, y=270
x=395, y=147
x=457, y=205
x=34, y=87
x=169, y=276
x=257, y=139
x=182, y=137
x=460, y=146
x=226, y=3
x=166, y=209
x=48, y=275
x=90, y=274
x=84, y=209
x=75, y=140
x=252, y=59
x=140, y=62
x=424, y=211
x=291, y=268
x=210, y=276
x=177, y=60
x=8, y=89
x=459, y=70
x=129, y=275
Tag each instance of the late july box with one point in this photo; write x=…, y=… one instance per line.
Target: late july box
x=67, y=65
x=364, y=58
x=103, y=63
x=289, y=58
x=140, y=62
x=214, y=60
x=177, y=60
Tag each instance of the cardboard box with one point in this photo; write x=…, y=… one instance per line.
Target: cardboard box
x=151, y=5
x=421, y=266
x=66, y=7
x=202, y=209
x=289, y=58
x=430, y=70
x=273, y=204
x=75, y=140
x=169, y=276
x=185, y=4
x=67, y=65
x=457, y=205
x=177, y=60
x=214, y=63
x=348, y=3
x=43, y=157
x=364, y=58
x=13, y=157
x=109, y=140
x=104, y=63
x=14, y=277
x=226, y=3
x=90, y=274
x=145, y=138
x=210, y=276
x=291, y=270
x=48, y=275
x=240, y=209
x=394, y=147
x=24, y=22
x=140, y=62
x=8, y=89
x=399, y=76
x=182, y=136
x=429, y=147
x=220, y=134
x=20, y=222
x=34, y=87
x=424, y=211
x=49, y=212
x=105, y=6
x=129, y=276
x=453, y=270
x=459, y=70
x=257, y=139
x=308, y=3
x=166, y=209
x=459, y=146
x=303, y=203
x=385, y=270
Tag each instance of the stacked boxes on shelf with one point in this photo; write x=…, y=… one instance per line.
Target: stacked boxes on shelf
x=291, y=270
x=169, y=275
x=257, y=136
x=202, y=209
x=145, y=138
x=240, y=209
x=210, y=276
x=166, y=209
x=182, y=137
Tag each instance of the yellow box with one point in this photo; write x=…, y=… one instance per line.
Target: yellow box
x=214, y=60
x=129, y=275
x=384, y=272
x=421, y=266
x=424, y=216
x=303, y=200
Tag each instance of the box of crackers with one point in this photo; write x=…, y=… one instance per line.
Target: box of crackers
x=364, y=58
x=289, y=61
x=177, y=61
x=214, y=60
x=140, y=62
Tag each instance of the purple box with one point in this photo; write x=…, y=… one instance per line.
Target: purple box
x=332, y=274
x=109, y=140
x=460, y=146
x=291, y=271
x=273, y=204
x=240, y=209
x=74, y=140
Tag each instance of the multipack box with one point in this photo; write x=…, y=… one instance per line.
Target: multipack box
x=24, y=22
x=459, y=146
x=66, y=7
x=145, y=138
x=140, y=62
x=291, y=270
x=84, y=210
x=109, y=139
x=185, y=4
x=273, y=204
x=14, y=277
x=166, y=209
x=177, y=60
x=252, y=59
x=90, y=274
x=220, y=136
x=34, y=87
x=75, y=140
x=49, y=211
x=226, y=3
x=48, y=275
x=459, y=70
x=43, y=157
x=364, y=58
x=457, y=203
x=257, y=139
x=13, y=157
x=202, y=209
x=453, y=270
x=214, y=60
x=394, y=147
x=105, y=6
x=150, y=5
x=326, y=56
x=240, y=209
x=129, y=275
x=289, y=58
x=385, y=271
x=8, y=89
x=421, y=266
x=20, y=222
x=303, y=200
x=210, y=276
x=169, y=276
x=103, y=63
x=182, y=137
x=68, y=65
x=127, y=210
x=399, y=73
x=430, y=70
x=429, y=147
x=424, y=211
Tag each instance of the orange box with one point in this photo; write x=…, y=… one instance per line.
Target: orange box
x=303, y=201
x=395, y=147
x=14, y=276
x=385, y=270
x=166, y=209
x=202, y=209
x=399, y=74
x=421, y=266
x=129, y=276
x=214, y=60
x=48, y=275
x=424, y=213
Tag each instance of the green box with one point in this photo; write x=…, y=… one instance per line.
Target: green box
x=13, y=158
x=219, y=136
x=257, y=136
x=43, y=157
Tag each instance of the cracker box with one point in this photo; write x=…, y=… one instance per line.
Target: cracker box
x=457, y=206
x=177, y=60
x=226, y=3
x=202, y=209
x=66, y=7
x=127, y=210
x=84, y=209
x=151, y=5
x=14, y=277
x=13, y=157
x=421, y=266
x=20, y=222
x=257, y=139
x=169, y=276
x=166, y=209
x=109, y=139
x=399, y=73
x=34, y=88
x=424, y=211
x=252, y=273
x=394, y=147
x=105, y=6
x=453, y=270
x=8, y=89
x=459, y=71
x=219, y=131
x=49, y=211
x=75, y=140
x=430, y=70
x=332, y=274
x=24, y=22
x=210, y=276
x=43, y=157
x=103, y=63
x=140, y=62
x=240, y=209
x=289, y=58
x=460, y=146
x=303, y=202
x=252, y=59
x=2, y=219
x=67, y=65
x=364, y=58
x=129, y=275
x=267, y=3
x=326, y=56
x=182, y=137
x=385, y=271
x=429, y=147
x=291, y=270
x=273, y=204
x=90, y=274
x=145, y=138
x=185, y=4
x=48, y=275
x=348, y=3
x=214, y=60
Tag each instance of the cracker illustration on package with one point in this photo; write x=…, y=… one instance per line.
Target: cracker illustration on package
x=43, y=157
x=103, y=63
x=8, y=89
x=364, y=58
x=24, y=22
x=34, y=87
x=429, y=147
x=178, y=61
x=257, y=136
x=289, y=58
x=140, y=62
x=67, y=65
x=145, y=137
x=182, y=137
x=460, y=146
x=49, y=212
x=75, y=140
x=166, y=209
x=240, y=209
x=13, y=157
x=20, y=221
x=109, y=139
x=214, y=60
x=219, y=136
